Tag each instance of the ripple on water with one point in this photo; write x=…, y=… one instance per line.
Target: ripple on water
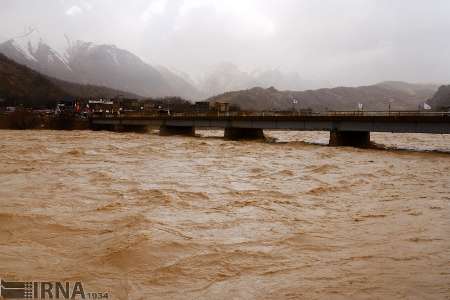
x=146, y=217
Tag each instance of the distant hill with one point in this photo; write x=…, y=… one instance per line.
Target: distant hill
x=401, y=96
x=22, y=85
x=19, y=84
x=91, y=91
x=421, y=91
x=441, y=100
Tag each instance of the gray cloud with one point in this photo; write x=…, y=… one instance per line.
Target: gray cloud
x=347, y=42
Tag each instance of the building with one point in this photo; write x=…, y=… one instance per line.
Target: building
x=221, y=107
x=130, y=105
x=65, y=106
x=202, y=107
x=205, y=106
x=102, y=106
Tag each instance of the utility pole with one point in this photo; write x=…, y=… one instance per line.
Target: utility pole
x=294, y=102
x=390, y=103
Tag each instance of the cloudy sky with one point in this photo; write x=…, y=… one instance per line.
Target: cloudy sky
x=346, y=42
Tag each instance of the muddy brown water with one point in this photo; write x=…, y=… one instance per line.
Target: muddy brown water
x=148, y=217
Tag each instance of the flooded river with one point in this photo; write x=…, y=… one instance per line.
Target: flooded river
x=148, y=217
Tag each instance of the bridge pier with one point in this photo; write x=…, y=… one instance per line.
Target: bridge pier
x=165, y=130
x=360, y=139
x=232, y=133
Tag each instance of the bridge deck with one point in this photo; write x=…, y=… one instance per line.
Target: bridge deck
x=403, y=122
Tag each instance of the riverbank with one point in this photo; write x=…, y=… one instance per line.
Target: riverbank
x=24, y=119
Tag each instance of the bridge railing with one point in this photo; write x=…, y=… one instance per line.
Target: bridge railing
x=384, y=113
x=274, y=114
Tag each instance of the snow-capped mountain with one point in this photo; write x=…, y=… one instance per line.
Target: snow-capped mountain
x=89, y=63
x=31, y=50
x=226, y=77
x=108, y=65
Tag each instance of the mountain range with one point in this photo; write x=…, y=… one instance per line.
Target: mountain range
x=22, y=85
x=88, y=69
x=226, y=77
x=107, y=65
x=396, y=95
x=103, y=65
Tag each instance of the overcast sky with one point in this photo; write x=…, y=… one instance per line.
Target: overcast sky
x=347, y=42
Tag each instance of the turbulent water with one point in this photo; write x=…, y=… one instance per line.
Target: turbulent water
x=148, y=217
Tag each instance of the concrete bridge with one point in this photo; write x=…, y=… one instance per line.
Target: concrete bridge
x=346, y=128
